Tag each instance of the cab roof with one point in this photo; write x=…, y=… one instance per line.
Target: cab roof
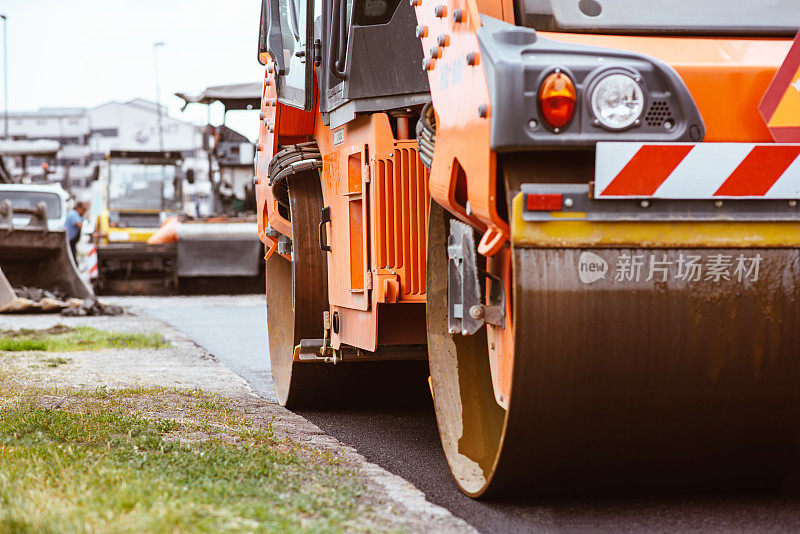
x=36, y=188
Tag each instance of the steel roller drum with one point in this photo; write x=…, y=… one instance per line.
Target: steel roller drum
x=296, y=299
x=630, y=368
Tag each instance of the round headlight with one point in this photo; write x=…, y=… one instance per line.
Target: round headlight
x=617, y=101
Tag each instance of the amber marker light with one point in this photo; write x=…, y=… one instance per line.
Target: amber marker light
x=557, y=97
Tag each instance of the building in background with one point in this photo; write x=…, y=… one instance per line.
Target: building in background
x=87, y=135
x=70, y=128
x=133, y=125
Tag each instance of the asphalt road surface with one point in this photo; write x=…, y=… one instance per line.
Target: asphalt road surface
x=406, y=442
x=232, y=328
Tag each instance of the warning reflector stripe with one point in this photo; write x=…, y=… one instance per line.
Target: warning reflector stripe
x=91, y=258
x=759, y=171
x=647, y=170
x=697, y=171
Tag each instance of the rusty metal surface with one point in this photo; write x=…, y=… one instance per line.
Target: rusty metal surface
x=7, y=296
x=40, y=258
x=661, y=379
x=670, y=373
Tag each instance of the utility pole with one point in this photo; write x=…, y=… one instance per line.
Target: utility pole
x=5, y=67
x=156, y=46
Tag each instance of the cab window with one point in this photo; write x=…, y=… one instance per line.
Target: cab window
x=286, y=35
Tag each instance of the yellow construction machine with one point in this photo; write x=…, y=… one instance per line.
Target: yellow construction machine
x=147, y=243
x=140, y=190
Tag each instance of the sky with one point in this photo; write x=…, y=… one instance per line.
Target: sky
x=82, y=53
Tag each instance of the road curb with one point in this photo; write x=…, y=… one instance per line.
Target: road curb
x=400, y=497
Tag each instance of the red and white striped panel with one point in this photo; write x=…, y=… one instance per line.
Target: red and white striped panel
x=91, y=262
x=697, y=170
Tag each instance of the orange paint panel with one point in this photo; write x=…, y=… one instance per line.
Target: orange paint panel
x=343, y=166
x=727, y=77
x=346, y=259
x=400, y=184
x=354, y=173
x=357, y=259
x=460, y=97
x=357, y=328
x=390, y=188
x=378, y=226
x=279, y=125
x=414, y=220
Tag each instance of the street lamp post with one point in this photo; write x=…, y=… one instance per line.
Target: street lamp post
x=156, y=46
x=5, y=67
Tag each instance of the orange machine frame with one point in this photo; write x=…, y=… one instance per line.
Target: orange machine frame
x=464, y=168
x=377, y=184
x=464, y=177
x=377, y=190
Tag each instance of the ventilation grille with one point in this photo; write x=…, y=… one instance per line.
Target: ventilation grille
x=401, y=197
x=658, y=113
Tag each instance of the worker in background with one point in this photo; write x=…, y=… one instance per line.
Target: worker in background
x=74, y=225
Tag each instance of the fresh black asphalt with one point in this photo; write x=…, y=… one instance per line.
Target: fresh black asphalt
x=406, y=442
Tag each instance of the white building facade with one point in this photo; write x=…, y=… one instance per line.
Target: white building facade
x=70, y=127
x=86, y=136
x=134, y=125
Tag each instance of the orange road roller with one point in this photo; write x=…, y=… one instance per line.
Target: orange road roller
x=575, y=221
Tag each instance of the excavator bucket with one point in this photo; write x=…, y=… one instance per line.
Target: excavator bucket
x=7, y=296
x=35, y=256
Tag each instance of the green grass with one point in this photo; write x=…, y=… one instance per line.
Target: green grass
x=17, y=345
x=56, y=361
x=99, y=465
x=61, y=338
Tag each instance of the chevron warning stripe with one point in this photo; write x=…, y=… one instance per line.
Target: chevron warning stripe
x=697, y=171
x=91, y=261
x=780, y=107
